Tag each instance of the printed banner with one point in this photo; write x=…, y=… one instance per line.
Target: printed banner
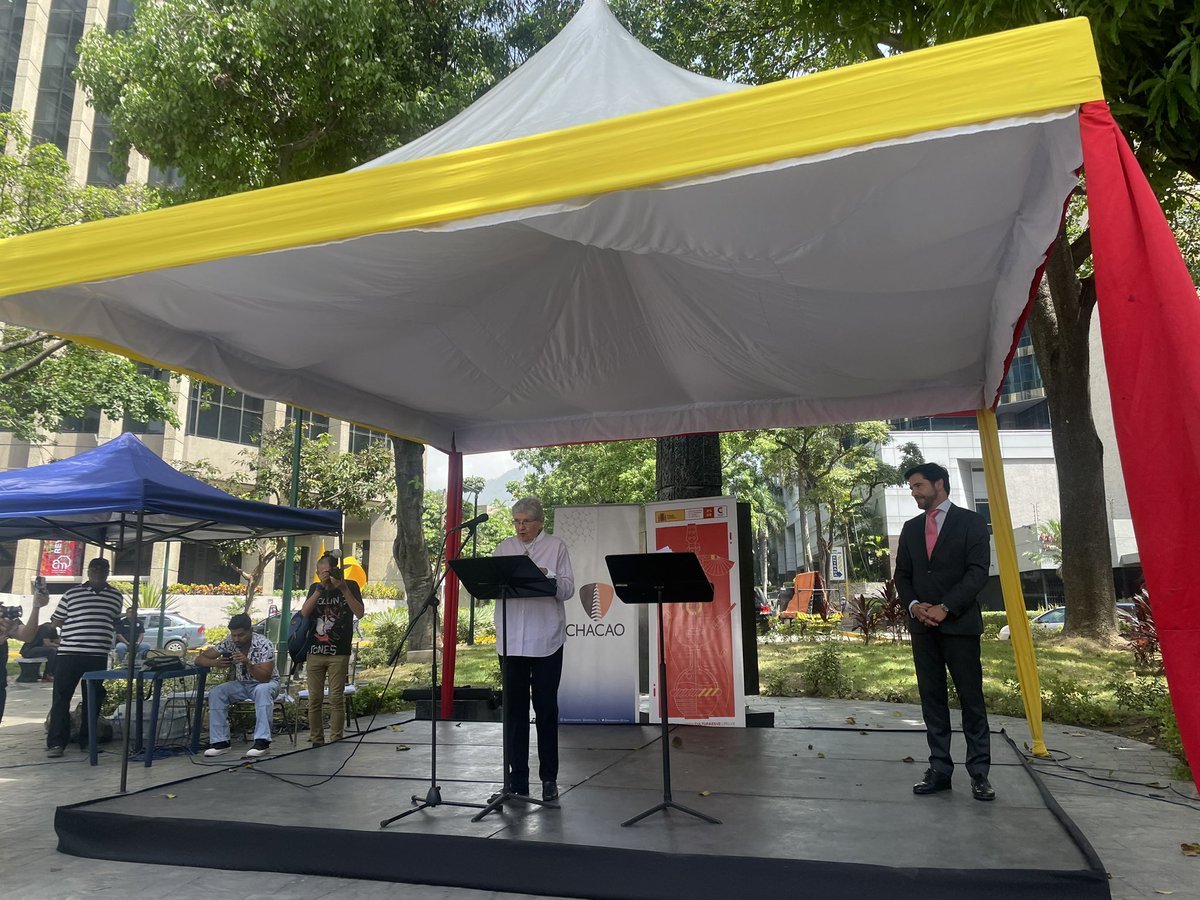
x=703, y=641
x=600, y=660
x=63, y=558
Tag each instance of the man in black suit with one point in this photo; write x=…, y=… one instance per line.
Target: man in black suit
x=941, y=567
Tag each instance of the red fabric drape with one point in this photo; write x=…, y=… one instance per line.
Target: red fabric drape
x=454, y=489
x=1150, y=326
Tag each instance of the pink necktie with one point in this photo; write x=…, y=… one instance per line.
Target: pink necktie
x=930, y=531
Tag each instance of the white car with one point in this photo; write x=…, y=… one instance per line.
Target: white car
x=1050, y=620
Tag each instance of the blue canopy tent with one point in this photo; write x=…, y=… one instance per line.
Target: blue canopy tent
x=121, y=495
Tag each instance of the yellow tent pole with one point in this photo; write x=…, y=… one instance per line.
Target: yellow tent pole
x=1010, y=578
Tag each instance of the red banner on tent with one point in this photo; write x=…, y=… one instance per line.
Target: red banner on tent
x=61, y=558
x=1150, y=326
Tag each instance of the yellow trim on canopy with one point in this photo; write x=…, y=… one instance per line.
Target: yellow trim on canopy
x=1016, y=73
x=1010, y=579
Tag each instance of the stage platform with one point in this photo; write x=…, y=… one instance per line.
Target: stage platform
x=826, y=812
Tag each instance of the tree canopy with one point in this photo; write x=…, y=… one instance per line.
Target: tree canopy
x=45, y=380
x=359, y=484
x=242, y=94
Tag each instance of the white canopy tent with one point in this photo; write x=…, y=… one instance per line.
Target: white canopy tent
x=608, y=247
x=885, y=278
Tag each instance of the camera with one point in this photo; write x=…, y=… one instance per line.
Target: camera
x=12, y=612
x=335, y=572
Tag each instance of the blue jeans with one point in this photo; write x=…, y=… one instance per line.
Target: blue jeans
x=122, y=648
x=219, y=698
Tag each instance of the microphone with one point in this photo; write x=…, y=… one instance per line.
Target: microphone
x=471, y=523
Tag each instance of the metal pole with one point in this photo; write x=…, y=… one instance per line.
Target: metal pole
x=162, y=599
x=474, y=552
x=285, y=611
x=130, y=660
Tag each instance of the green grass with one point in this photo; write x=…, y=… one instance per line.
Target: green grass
x=1079, y=681
x=476, y=666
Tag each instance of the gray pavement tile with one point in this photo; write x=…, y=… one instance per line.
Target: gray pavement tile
x=1136, y=837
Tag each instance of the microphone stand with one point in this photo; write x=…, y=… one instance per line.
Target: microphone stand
x=433, y=797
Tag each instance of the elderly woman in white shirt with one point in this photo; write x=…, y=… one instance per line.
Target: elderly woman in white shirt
x=531, y=661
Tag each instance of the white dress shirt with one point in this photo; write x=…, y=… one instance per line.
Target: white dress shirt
x=537, y=626
x=939, y=521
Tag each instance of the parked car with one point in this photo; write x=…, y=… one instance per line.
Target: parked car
x=179, y=633
x=1050, y=620
x=765, y=612
x=1054, y=619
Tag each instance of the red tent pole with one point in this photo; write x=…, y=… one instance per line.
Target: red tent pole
x=1150, y=326
x=454, y=504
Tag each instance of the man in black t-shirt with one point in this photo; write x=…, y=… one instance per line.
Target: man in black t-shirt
x=331, y=606
x=43, y=645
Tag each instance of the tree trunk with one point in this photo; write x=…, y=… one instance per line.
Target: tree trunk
x=1059, y=326
x=763, y=550
x=267, y=551
x=822, y=560
x=409, y=551
x=802, y=509
x=688, y=466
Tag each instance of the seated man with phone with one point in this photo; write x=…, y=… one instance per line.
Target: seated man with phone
x=251, y=659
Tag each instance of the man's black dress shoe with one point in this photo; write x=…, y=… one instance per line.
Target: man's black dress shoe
x=549, y=791
x=981, y=788
x=932, y=783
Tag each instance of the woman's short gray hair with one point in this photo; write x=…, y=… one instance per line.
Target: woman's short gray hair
x=530, y=507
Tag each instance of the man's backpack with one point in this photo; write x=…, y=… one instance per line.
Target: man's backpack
x=298, y=635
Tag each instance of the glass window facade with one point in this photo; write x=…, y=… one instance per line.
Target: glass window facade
x=299, y=571
x=88, y=423
x=56, y=90
x=120, y=18
x=312, y=424
x=164, y=178
x=156, y=426
x=224, y=414
x=127, y=559
x=1023, y=375
x=935, y=423
x=361, y=438
x=202, y=564
x=12, y=25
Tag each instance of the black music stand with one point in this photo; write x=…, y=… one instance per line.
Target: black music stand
x=660, y=578
x=498, y=578
x=433, y=796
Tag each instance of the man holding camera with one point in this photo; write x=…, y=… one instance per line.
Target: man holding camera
x=10, y=625
x=85, y=618
x=331, y=606
x=250, y=658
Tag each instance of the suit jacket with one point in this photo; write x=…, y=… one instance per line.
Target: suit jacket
x=954, y=574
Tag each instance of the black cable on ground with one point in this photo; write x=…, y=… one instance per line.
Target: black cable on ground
x=1105, y=781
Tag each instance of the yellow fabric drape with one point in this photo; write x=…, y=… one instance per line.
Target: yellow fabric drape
x=1010, y=578
x=1017, y=73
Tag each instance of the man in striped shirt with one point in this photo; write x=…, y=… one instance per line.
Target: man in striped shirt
x=85, y=618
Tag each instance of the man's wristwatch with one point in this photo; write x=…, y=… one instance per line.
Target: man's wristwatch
x=945, y=608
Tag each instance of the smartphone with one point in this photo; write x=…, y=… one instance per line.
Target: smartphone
x=39, y=584
x=226, y=656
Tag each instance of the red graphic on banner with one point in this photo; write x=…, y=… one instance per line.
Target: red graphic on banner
x=62, y=558
x=698, y=636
